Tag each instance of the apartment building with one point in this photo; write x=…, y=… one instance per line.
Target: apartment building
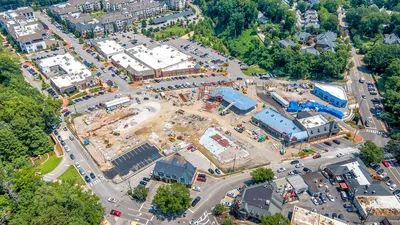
x=26, y=30
x=307, y=19
x=86, y=6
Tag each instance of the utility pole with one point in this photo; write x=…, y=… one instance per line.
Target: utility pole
x=234, y=162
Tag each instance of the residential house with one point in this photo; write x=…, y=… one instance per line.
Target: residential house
x=303, y=36
x=327, y=41
x=307, y=19
x=256, y=201
x=310, y=50
x=175, y=169
x=391, y=39
x=286, y=43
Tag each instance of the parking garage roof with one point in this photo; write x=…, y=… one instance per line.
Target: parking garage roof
x=164, y=19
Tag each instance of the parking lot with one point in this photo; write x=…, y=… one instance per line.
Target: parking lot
x=133, y=160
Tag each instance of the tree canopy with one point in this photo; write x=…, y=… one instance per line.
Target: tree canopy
x=172, y=199
x=262, y=174
x=275, y=220
x=371, y=153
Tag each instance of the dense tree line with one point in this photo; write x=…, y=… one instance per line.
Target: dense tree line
x=12, y=4
x=388, y=4
x=26, y=118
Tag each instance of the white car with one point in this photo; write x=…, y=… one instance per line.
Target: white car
x=77, y=165
x=392, y=187
x=384, y=174
x=227, y=204
x=280, y=170
x=315, y=201
x=112, y=200
x=196, y=188
x=230, y=194
x=298, y=165
x=339, y=155
x=66, y=148
x=330, y=197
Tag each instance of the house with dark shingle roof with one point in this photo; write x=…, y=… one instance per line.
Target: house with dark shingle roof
x=310, y=50
x=327, y=41
x=391, y=39
x=303, y=36
x=175, y=169
x=258, y=200
x=286, y=43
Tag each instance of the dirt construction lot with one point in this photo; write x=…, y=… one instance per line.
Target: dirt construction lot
x=171, y=124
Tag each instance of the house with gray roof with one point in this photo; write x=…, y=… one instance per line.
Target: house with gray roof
x=310, y=50
x=303, y=36
x=327, y=41
x=286, y=43
x=391, y=39
x=175, y=169
x=256, y=201
x=307, y=19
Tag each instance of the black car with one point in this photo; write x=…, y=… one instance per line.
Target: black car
x=87, y=179
x=332, y=181
x=63, y=143
x=328, y=143
x=294, y=162
x=379, y=172
x=307, y=170
x=316, y=156
x=326, y=214
x=72, y=156
x=146, y=179
x=334, y=215
x=211, y=170
x=341, y=216
x=201, y=175
x=336, y=142
x=195, y=201
x=144, y=183
x=376, y=167
x=347, y=205
x=351, y=209
x=92, y=175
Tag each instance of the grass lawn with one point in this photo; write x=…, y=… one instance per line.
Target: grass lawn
x=97, y=14
x=169, y=32
x=72, y=175
x=80, y=94
x=50, y=164
x=304, y=153
x=96, y=89
x=254, y=69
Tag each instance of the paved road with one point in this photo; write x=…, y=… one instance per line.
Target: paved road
x=60, y=169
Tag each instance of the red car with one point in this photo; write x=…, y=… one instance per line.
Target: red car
x=116, y=213
x=316, y=156
x=201, y=179
x=384, y=162
x=190, y=147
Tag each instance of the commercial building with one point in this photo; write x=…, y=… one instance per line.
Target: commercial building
x=113, y=104
x=256, y=201
x=316, y=183
x=375, y=208
x=143, y=63
x=234, y=100
x=66, y=73
x=107, y=48
x=301, y=216
x=317, y=126
x=333, y=94
x=279, y=126
x=298, y=184
x=175, y=169
x=26, y=30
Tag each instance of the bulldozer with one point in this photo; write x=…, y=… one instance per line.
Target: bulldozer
x=171, y=139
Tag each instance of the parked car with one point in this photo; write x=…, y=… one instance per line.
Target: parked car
x=196, y=188
x=203, y=179
x=144, y=183
x=280, y=170
x=343, y=195
x=341, y=216
x=72, y=156
x=77, y=165
x=334, y=215
x=314, y=200
x=81, y=171
x=307, y=170
x=217, y=171
x=210, y=170
x=195, y=201
x=298, y=165
x=316, y=156
x=385, y=163
x=392, y=187
x=332, y=181
x=380, y=171
x=146, y=179
x=336, y=142
x=112, y=200
x=376, y=167
x=330, y=197
x=227, y=204
x=323, y=199
x=92, y=175
x=294, y=172
x=339, y=155
x=347, y=205
x=325, y=174
x=328, y=143
x=294, y=162
x=202, y=175
x=116, y=213
x=87, y=179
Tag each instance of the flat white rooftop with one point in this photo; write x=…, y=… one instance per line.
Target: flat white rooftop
x=159, y=57
x=334, y=90
x=313, y=121
x=380, y=205
x=303, y=216
x=75, y=71
x=124, y=60
x=116, y=102
x=110, y=47
x=180, y=66
x=360, y=177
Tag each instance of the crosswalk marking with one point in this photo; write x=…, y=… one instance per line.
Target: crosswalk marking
x=94, y=182
x=373, y=131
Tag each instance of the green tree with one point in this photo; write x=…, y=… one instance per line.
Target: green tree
x=262, y=174
x=172, y=198
x=140, y=193
x=371, y=153
x=218, y=209
x=274, y=220
x=302, y=6
x=228, y=221
x=144, y=24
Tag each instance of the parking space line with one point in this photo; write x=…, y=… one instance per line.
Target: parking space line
x=128, y=156
x=395, y=176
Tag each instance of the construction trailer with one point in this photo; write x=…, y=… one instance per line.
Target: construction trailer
x=279, y=99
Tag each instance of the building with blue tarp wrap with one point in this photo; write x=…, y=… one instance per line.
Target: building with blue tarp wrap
x=235, y=101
